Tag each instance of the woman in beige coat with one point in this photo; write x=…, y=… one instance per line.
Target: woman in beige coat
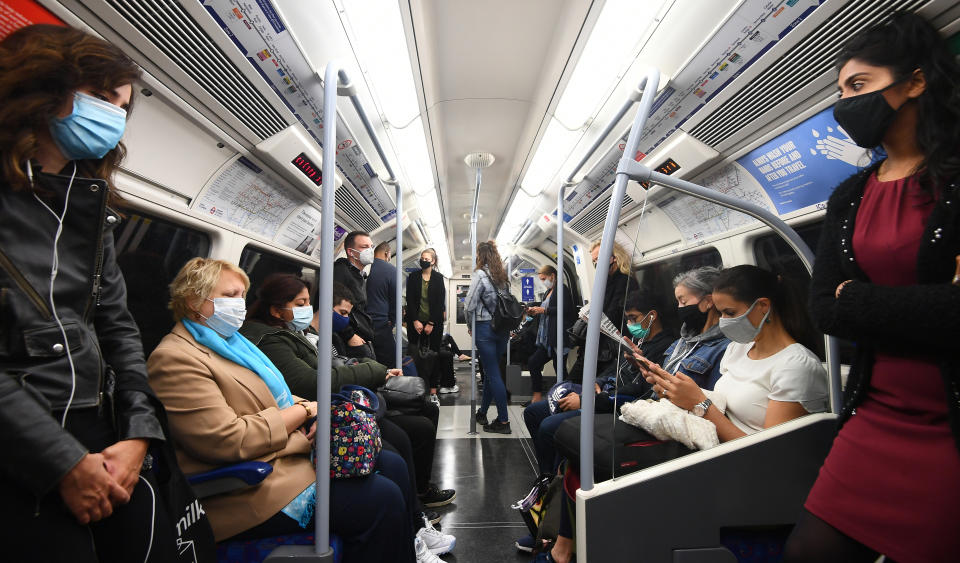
x=227, y=403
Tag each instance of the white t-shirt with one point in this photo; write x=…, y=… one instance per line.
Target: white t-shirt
x=793, y=375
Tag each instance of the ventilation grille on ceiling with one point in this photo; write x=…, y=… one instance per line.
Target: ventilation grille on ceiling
x=596, y=215
x=802, y=64
x=168, y=27
x=348, y=203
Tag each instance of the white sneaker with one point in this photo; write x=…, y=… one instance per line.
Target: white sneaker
x=424, y=555
x=436, y=541
x=446, y=390
x=435, y=400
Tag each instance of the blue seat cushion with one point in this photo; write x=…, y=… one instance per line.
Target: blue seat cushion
x=254, y=551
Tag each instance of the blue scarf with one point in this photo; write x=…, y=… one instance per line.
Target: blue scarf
x=242, y=352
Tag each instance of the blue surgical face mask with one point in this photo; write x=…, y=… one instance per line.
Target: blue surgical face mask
x=228, y=315
x=302, y=316
x=340, y=322
x=92, y=129
x=740, y=329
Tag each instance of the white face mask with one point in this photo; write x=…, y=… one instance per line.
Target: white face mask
x=302, y=317
x=740, y=329
x=548, y=284
x=365, y=256
x=228, y=315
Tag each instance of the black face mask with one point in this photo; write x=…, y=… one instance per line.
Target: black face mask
x=692, y=317
x=866, y=117
x=424, y=264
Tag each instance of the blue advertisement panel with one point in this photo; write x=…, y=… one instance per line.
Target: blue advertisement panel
x=526, y=288
x=801, y=167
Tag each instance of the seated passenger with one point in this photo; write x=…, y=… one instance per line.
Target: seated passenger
x=696, y=352
x=768, y=373
x=280, y=327
x=701, y=343
x=648, y=338
x=227, y=403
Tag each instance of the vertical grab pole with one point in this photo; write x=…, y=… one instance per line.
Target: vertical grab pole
x=649, y=85
x=348, y=89
x=325, y=298
x=473, y=324
x=398, y=290
x=509, y=274
x=558, y=287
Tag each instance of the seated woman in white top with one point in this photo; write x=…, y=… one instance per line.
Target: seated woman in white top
x=768, y=375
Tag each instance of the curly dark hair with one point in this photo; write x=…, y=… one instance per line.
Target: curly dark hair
x=41, y=66
x=903, y=44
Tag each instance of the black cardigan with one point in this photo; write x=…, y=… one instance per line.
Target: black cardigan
x=436, y=296
x=917, y=319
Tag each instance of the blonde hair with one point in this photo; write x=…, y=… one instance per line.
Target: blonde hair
x=195, y=282
x=620, y=256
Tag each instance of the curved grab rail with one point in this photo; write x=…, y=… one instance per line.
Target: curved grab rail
x=629, y=169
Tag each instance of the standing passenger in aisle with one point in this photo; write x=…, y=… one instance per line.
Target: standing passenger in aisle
x=887, y=255
x=545, y=349
x=382, y=305
x=480, y=303
x=426, y=310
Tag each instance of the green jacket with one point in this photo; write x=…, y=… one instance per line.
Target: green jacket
x=296, y=358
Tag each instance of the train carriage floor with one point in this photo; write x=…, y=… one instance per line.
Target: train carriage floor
x=489, y=471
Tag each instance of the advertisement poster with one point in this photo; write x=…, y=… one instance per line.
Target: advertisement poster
x=801, y=167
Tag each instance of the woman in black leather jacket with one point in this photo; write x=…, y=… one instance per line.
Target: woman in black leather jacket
x=76, y=414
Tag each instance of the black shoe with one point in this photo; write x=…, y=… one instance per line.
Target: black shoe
x=498, y=427
x=435, y=496
x=481, y=418
x=433, y=517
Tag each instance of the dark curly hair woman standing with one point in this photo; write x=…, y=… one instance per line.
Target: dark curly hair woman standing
x=882, y=278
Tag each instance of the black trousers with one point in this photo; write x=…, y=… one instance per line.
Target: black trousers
x=447, y=377
x=385, y=345
x=44, y=529
x=535, y=364
x=421, y=432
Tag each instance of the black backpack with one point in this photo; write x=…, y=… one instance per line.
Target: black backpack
x=508, y=314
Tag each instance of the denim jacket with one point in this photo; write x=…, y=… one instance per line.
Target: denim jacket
x=698, y=355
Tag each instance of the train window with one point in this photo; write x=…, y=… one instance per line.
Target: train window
x=774, y=254
x=657, y=279
x=258, y=264
x=150, y=252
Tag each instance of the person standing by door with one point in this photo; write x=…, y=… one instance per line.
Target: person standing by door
x=426, y=310
x=382, y=304
x=546, y=344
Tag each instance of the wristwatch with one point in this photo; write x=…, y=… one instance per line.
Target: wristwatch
x=700, y=409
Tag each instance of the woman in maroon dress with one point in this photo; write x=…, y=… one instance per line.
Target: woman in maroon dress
x=886, y=259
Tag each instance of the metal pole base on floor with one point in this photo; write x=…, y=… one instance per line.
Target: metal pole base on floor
x=300, y=553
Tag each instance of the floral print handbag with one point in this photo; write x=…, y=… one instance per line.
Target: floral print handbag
x=354, y=434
